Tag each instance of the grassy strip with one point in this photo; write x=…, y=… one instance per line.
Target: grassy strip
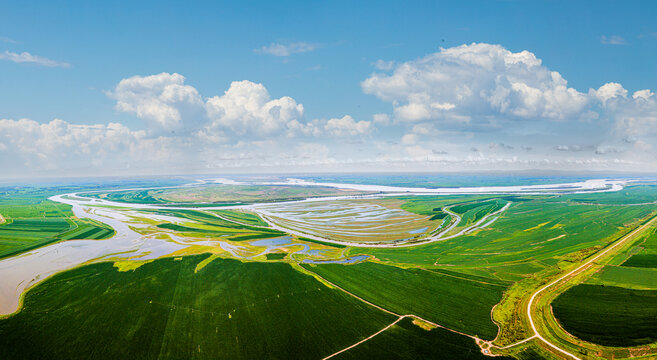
x=322, y=242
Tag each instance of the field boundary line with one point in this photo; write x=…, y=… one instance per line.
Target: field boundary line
x=367, y=338
x=459, y=277
x=476, y=339
x=354, y=295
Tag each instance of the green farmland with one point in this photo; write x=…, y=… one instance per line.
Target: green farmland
x=29, y=226
x=232, y=225
x=474, y=212
x=528, y=237
x=459, y=302
x=609, y=315
x=328, y=180
x=164, y=309
x=642, y=261
x=212, y=283
x=640, y=278
x=645, y=255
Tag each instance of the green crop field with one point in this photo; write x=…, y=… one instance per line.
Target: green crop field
x=528, y=237
x=628, y=277
x=458, y=302
x=644, y=255
x=205, y=224
x=206, y=283
x=642, y=260
x=276, y=256
x=165, y=309
x=608, y=315
x=325, y=180
x=31, y=224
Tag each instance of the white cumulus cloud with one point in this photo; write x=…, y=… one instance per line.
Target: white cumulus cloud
x=475, y=81
x=160, y=99
x=248, y=107
x=245, y=110
x=610, y=91
x=346, y=125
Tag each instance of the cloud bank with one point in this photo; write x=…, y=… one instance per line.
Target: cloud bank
x=470, y=107
x=483, y=92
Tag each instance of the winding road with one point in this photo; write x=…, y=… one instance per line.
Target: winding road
x=571, y=274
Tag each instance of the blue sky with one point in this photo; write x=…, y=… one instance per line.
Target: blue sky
x=84, y=50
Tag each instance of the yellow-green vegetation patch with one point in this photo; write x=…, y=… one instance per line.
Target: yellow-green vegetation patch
x=130, y=265
x=537, y=226
x=197, y=249
x=550, y=239
x=203, y=263
x=423, y=324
